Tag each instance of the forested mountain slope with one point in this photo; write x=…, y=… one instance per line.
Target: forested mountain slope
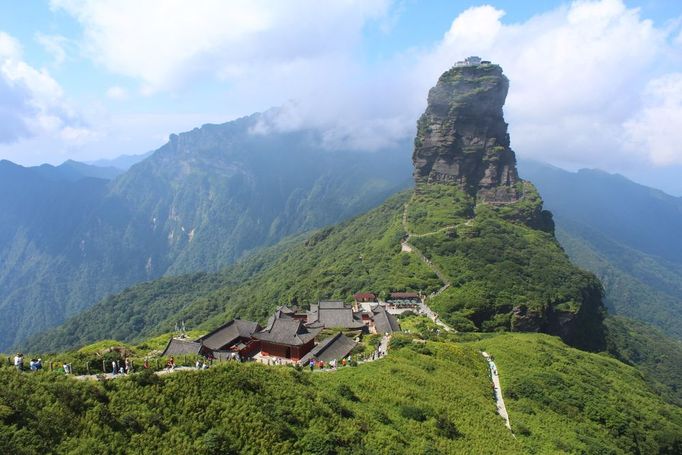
x=477, y=232
x=198, y=203
x=627, y=234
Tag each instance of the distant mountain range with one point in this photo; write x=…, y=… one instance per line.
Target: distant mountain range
x=69, y=236
x=73, y=233
x=628, y=234
x=123, y=162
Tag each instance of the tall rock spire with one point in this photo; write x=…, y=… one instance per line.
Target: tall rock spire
x=462, y=137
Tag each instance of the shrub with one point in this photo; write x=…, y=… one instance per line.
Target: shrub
x=413, y=413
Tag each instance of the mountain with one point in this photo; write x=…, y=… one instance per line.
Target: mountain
x=626, y=233
x=471, y=234
x=657, y=356
x=122, y=162
x=200, y=202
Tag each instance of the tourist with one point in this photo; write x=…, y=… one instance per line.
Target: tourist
x=39, y=364
x=321, y=364
x=312, y=364
x=197, y=365
x=170, y=365
x=146, y=363
x=114, y=368
x=129, y=365
x=32, y=364
x=19, y=361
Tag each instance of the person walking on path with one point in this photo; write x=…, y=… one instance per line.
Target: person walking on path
x=312, y=364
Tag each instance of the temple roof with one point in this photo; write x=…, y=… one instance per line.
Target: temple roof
x=335, y=347
x=178, y=346
x=334, y=315
x=229, y=333
x=287, y=331
x=385, y=322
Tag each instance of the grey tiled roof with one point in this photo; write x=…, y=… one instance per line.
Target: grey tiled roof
x=404, y=296
x=334, y=315
x=384, y=321
x=335, y=347
x=287, y=331
x=280, y=312
x=181, y=347
x=228, y=333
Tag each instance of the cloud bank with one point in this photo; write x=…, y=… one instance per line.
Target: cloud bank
x=32, y=103
x=592, y=82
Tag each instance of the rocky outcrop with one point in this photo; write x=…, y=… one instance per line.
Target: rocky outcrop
x=462, y=136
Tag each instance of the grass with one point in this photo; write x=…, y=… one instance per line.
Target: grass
x=562, y=399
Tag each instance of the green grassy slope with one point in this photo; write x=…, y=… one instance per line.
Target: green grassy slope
x=406, y=403
x=497, y=260
x=562, y=400
x=432, y=397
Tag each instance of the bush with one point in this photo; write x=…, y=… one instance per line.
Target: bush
x=446, y=427
x=346, y=392
x=413, y=413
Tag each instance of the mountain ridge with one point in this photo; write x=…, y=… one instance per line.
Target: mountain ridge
x=506, y=268
x=224, y=192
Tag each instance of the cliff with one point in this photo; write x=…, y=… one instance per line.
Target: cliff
x=462, y=137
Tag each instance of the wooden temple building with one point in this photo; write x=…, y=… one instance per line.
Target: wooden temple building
x=288, y=338
x=291, y=333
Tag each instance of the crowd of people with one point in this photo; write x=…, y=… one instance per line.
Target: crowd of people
x=34, y=364
x=334, y=363
x=118, y=367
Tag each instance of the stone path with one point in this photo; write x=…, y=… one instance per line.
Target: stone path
x=501, y=408
x=407, y=248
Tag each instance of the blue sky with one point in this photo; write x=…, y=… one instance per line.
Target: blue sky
x=593, y=83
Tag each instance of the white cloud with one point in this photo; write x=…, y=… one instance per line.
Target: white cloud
x=655, y=130
x=32, y=103
x=117, y=93
x=576, y=76
x=55, y=45
x=578, y=73
x=165, y=42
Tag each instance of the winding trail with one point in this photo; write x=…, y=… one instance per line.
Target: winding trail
x=501, y=408
x=406, y=247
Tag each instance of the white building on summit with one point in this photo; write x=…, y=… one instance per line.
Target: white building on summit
x=471, y=61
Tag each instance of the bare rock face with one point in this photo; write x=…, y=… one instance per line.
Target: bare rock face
x=462, y=137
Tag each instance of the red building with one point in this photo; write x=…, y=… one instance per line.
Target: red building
x=364, y=297
x=288, y=338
